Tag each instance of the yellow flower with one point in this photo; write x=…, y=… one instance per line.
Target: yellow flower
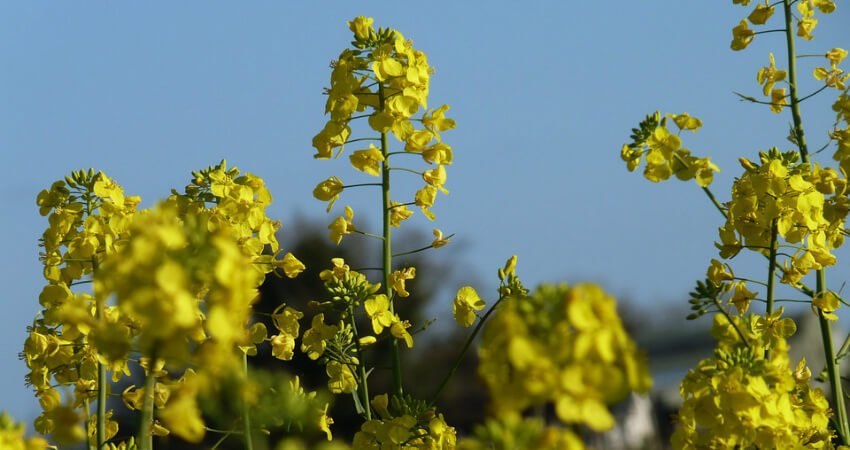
x=325, y=422
x=328, y=191
x=741, y=36
x=313, y=341
x=368, y=161
x=436, y=177
x=377, y=307
x=768, y=76
x=827, y=302
x=398, y=213
x=805, y=27
x=438, y=153
x=341, y=378
x=760, y=15
x=741, y=298
x=362, y=28
x=835, y=56
x=398, y=278
x=686, y=122
x=425, y=199
x=291, y=265
x=183, y=417
x=717, y=272
x=342, y=226
x=438, y=239
x=465, y=304
x=777, y=100
x=399, y=331
x=283, y=346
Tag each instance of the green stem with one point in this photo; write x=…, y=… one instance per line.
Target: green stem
x=368, y=234
x=714, y=200
x=361, y=184
x=145, y=438
x=403, y=169
x=246, y=416
x=832, y=367
x=829, y=350
x=387, y=248
x=463, y=352
x=363, y=389
x=221, y=440
x=422, y=249
x=101, y=377
x=792, y=81
x=771, y=267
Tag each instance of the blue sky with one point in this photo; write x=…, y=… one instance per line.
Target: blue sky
x=544, y=95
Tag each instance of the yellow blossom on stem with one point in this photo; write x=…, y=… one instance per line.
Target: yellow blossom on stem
x=368, y=161
x=377, y=307
x=465, y=304
x=741, y=36
x=439, y=241
x=328, y=191
x=398, y=278
x=399, y=213
x=342, y=226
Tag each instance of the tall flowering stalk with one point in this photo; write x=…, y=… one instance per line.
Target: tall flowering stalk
x=387, y=80
x=792, y=211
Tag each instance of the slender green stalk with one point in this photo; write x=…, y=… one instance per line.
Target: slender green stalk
x=792, y=81
x=463, y=352
x=387, y=248
x=145, y=439
x=832, y=365
x=363, y=389
x=246, y=416
x=771, y=267
x=101, y=377
x=714, y=200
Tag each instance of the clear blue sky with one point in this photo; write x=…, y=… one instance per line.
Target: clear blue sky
x=544, y=95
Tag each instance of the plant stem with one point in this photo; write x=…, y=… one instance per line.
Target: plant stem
x=145, y=438
x=714, y=200
x=463, y=352
x=387, y=248
x=246, y=416
x=101, y=375
x=771, y=267
x=792, y=81
x=832, y=367
x=364, y=385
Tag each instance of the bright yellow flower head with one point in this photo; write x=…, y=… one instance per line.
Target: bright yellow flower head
x=465, y=304
x=368, y=161
x=328, y=191
x=742, y=36
x=362, y=29
x=342, y=226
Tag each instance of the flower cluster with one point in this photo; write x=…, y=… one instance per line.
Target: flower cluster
x=793, y=198
x=89, y=218
x=741, y=398
x=663, y=150
x=563, y=345
x=12, y=436
x=383, y=74
x=742, y=35
x=513, y=432
x=403, y=426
